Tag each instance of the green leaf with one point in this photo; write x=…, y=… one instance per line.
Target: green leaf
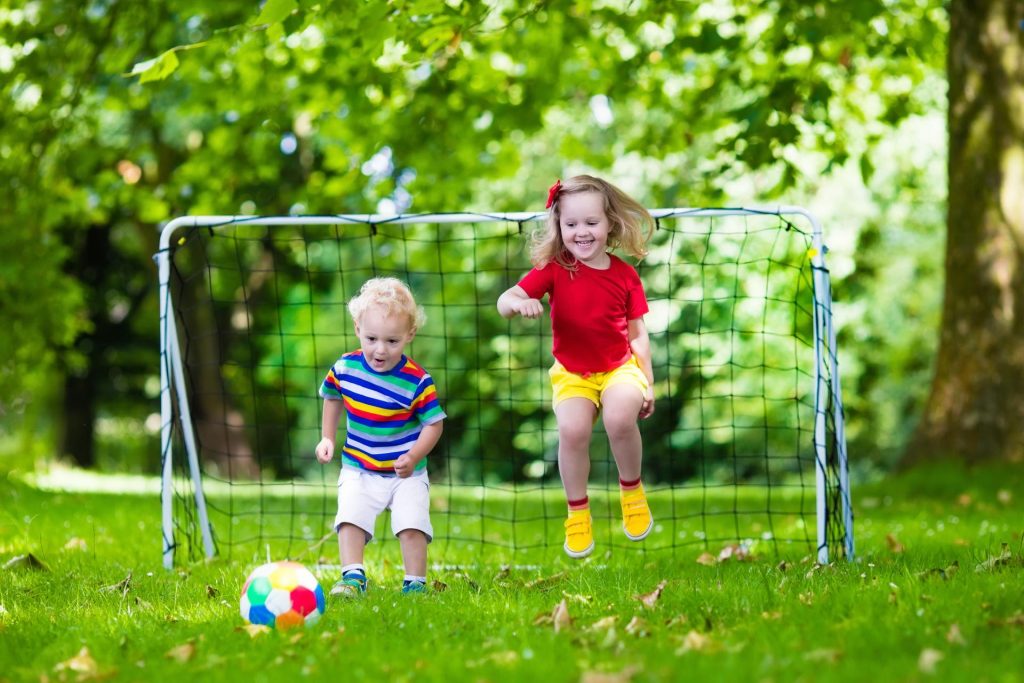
x=156, y=69
x=276, y=11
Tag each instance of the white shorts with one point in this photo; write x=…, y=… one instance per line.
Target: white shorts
x=364, y=495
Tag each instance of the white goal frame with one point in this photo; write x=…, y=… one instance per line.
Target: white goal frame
x=172, y=377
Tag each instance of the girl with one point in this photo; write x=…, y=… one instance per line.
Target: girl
x=600, y=344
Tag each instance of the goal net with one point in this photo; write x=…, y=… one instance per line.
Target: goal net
x=745, y=452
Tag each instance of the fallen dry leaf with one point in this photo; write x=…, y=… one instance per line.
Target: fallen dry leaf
x=1004, y=496
x=211, y=592
x=560, y=616
x=544, y=581
x=706, y=559
x=694, y=641
x=439, y=586
x=893, y=544
x=650, y=599
x=604, y=623
x=828, y=655
x=26, y=561
x=624, y=676
x=928, y=659
x=736, y=551
x=122, y=586
x=996, y=560
x=82, y=664
x=638, y=627
x=953, y=635
x=1016, y=619
x=964, y=499
x=254, y=630
x=75, y=543
x=182, y=653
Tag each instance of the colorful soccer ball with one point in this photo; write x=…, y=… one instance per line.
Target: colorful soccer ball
x=282, y=595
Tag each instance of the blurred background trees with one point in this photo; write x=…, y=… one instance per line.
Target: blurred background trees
x=119, y=116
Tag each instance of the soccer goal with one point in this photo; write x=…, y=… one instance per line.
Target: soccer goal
x=745, y=452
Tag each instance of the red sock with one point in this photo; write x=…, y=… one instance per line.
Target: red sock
x=581, y=504
x=629, y=485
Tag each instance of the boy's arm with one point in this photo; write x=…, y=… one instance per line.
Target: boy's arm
x=328, y=430
x=515, y=301
x=640, y=344
x=405, y=465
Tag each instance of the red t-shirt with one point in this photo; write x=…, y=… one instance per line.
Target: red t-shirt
x=590, y=312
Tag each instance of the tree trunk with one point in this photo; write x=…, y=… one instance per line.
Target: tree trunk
x=975, y=410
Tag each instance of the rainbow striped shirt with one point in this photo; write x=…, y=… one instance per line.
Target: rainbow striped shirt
x=385, y=411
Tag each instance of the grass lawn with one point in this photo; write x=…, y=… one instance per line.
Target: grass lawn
x=936, y=593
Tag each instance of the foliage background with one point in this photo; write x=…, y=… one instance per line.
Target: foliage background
x=352, y=107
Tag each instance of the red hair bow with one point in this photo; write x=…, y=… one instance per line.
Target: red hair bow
x=553, y=192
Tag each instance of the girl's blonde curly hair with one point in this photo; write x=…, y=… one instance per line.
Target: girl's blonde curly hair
x=630, y=224
x=390, y=294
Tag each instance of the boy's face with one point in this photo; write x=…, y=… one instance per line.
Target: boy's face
x=383, y=338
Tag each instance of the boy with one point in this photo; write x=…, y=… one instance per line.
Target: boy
x=393, y=421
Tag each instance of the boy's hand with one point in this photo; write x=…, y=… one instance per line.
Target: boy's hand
x=404, y=466
x=325, y=450
x=528, y=308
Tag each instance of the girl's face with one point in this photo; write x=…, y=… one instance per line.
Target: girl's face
x=584, y=227
x=383, y=338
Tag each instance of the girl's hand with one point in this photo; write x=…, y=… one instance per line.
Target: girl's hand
x=324, y=451
x=528, y=308
x=647, y=409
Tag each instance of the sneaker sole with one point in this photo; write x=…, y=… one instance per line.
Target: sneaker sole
x=641, y=536
x=581, y=554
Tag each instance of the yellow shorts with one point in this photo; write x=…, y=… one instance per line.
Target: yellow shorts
x=565, y=384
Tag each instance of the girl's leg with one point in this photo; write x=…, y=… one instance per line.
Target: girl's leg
x=620, y=407
x=575, y=423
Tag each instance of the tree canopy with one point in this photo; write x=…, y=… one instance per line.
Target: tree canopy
x=120, y=116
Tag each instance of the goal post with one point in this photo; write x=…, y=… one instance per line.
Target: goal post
x=749, y=407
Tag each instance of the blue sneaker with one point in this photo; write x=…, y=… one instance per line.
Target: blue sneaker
x=414, y=587
x=351, y=585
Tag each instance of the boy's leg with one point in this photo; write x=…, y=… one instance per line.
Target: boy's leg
x=414, y=558
x=575, y=418
x=359, y=503
x=351, y=545
x=621, y=403
x=410, y=522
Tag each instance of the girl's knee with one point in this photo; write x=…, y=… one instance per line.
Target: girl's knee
x=618, y=424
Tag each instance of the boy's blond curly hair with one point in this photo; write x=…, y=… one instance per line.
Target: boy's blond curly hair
x=393, y=296
x=630, y=224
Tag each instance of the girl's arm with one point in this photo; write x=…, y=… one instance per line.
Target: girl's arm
x=640, y=343
x=328, y=430
x=515, y=301
x=405, y=465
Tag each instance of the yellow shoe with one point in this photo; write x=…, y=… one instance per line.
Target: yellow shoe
x=579, y=533
x=636, y=514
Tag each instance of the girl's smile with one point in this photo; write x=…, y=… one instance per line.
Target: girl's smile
x=584, y=228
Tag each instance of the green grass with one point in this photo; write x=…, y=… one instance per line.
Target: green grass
x=934, y=595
